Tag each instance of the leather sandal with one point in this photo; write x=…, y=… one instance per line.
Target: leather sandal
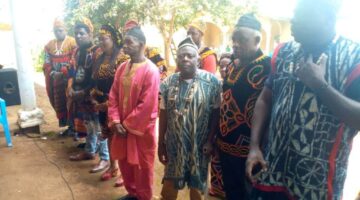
x=110, y=173
x=119, y=182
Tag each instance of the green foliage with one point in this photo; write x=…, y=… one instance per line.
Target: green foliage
x=167, y=15
x=38, y=60
x=224, y=12
x=157, y=12
x=116, y=12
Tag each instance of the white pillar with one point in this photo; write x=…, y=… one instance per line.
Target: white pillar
x=29, y=115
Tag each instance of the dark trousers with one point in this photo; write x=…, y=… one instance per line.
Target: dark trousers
x=236, y=185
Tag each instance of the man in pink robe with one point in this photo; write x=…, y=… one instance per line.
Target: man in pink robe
x=133, y=106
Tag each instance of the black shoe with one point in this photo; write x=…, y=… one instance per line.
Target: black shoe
x=70, y=132
x=81, y=145
x=127, y=197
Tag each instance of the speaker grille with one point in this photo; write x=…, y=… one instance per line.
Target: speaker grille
x=9, y=88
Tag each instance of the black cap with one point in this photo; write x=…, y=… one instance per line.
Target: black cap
x=249, y=21
x=187, y=42
x=137, y=33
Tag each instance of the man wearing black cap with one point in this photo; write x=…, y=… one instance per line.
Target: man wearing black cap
x=190, y=101
x=242, y=85
x=152, y=53
x=311, y=105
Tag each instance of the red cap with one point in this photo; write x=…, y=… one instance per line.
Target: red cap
x=130, y=24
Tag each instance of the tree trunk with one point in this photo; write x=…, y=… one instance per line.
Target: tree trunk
x=167, y=51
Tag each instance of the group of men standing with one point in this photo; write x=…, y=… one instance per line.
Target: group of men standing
x=280, y=127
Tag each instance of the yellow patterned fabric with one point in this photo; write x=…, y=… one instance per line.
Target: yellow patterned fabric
x=207, y=53
x=114, y=33
x=59, y=23
x=104, y=32
x=153, y=54
x=106, y=71
x=87, y=22
x=67, y=47
x=199, y=25
x=56, y=59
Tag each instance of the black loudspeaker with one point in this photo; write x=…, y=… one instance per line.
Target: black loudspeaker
x=9, y=87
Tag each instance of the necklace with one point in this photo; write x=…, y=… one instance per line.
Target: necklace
x=57, y=50
x=189, y=94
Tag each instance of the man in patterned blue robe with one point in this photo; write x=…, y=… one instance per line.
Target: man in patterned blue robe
x=189, y=107
x=311, y=105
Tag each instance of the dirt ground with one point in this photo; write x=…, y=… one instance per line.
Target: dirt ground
x=28, y=172
x=39, y=169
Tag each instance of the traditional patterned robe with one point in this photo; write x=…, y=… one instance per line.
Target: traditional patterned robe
x=208, y=60
x=80, y=78
x=308, y=145
x=103, y=76
x=241, y=88
x=57, y=60
x=187, y=133
x=153, y=54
